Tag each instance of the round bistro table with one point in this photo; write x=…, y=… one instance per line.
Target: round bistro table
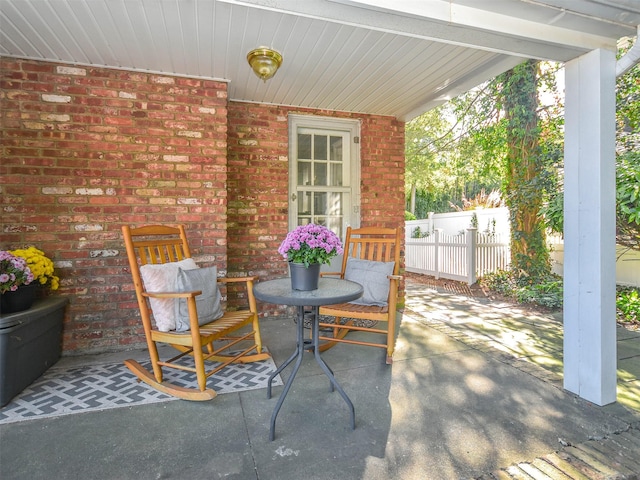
x=329, y=292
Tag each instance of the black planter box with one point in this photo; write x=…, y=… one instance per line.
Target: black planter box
x=30, y=342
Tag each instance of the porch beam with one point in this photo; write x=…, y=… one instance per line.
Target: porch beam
x=589, y=228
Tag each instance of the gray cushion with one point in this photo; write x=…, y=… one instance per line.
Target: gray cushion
x=373, y=277
x=208, y=303
x=162, y=278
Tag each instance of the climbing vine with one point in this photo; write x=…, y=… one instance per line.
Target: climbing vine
x=525, y=173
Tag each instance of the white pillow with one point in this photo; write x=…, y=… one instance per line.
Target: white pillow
x=207, y=303
x=373, y=278
x=162, y=278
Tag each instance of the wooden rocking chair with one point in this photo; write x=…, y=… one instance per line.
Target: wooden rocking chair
x=371, y=258
x=158, y=251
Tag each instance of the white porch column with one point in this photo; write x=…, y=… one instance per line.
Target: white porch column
x=589, y=228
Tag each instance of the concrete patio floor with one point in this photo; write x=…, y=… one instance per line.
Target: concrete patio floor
x=474, y=392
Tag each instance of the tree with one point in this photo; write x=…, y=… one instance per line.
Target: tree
x=421, y=139
x=524, y=169
x=444, y=162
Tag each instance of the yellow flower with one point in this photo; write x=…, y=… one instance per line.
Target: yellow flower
x=41, y=267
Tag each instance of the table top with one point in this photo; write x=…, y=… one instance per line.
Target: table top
x=329, y=292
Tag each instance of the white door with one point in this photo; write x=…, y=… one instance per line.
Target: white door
x=324, y=172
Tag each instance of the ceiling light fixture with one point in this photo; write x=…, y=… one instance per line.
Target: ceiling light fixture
x=264, y=62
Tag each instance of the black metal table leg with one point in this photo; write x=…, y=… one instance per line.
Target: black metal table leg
x=328, y=372
x=299, y=353
x=279, y=370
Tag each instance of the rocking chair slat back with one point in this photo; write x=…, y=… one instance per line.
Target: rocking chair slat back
x=377, y=244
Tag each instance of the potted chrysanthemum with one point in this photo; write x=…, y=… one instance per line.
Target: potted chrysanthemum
x=22, y=272
x=17, y=290
x=40, y=265
x=306, y=248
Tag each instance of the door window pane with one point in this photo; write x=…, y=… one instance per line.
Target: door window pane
x=335, y=203
x=320, y=173
x=336, y=175
x=320, y=147
x=304, y=146
x=336, y=149
x=304, y=173
x=304, y=204
x=320, y=203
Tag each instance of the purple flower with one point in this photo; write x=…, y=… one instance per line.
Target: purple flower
x=14, y=271
x=309, y=244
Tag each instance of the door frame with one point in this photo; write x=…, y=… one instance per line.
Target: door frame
x=352, y=126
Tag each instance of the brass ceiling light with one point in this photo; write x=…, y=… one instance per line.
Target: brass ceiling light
x=264, y=62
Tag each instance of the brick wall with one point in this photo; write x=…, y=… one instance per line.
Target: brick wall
x=86, y=150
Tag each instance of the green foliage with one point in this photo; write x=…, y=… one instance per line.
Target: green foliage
x=419, y=233
x=409, y=216
x=628, y=105
x=445, y=162
x=553, y=213
x=628, y=305
x=547, y=292
x=474, y=220
x=422, y=147
x=628, y=191
x=430, y=201
x=499, y=281
x=627, y=161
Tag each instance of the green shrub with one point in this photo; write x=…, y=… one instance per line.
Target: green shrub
x=549, y=292
x=628, y=304
x=500, y=282
x=408, y=216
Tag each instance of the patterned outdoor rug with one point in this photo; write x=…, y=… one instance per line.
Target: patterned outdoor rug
x=100, y=387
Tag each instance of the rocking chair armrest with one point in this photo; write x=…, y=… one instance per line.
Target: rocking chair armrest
x=248, y=281
x=394, y=277
x=237, y=279
x=329, y=274
x=193, y=293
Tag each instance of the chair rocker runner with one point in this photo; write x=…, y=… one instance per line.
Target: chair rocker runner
x=371, y=258
x=185, y=302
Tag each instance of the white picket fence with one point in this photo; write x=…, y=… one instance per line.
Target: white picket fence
x=463, y=257
x=467, y=257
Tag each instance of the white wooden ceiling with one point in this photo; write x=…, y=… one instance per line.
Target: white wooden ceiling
x=388, y=57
